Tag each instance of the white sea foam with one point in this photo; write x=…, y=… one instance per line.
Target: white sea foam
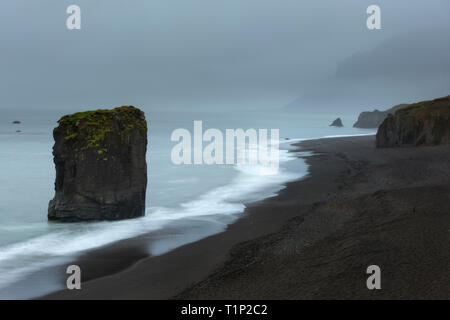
x=290, y=141
x=21, y=259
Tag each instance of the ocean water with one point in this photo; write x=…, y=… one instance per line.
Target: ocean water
x=184, y=202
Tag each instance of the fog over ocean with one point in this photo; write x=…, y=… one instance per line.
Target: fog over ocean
x=290, y=65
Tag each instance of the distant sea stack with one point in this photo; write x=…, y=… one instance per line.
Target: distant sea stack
x=373, y=119
x=422, y=123
x=370, y=119
x=101, y=170
x=337, y=123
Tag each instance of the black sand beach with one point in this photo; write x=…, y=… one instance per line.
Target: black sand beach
x=358, y=207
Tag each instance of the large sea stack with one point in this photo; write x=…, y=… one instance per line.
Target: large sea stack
x=101, y=170
x=422, y=123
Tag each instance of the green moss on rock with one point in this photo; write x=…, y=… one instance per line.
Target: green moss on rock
x=424, y=109
x=421, y=123
x=100, y=162
x=90, y=129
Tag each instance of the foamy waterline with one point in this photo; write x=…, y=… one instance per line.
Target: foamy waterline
x=290, y=141
x=225, y=203
x=220, y=206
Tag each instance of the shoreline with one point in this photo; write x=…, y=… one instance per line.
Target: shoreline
x=93, y=259
x=340, y=169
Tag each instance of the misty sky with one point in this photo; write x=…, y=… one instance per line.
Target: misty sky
x=196, y=53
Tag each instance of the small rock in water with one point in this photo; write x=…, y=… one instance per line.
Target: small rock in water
x=16, y=122
x=18, y=130
x=337, y=123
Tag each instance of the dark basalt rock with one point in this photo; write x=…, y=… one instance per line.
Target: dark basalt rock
x=423, y=123
x=337, y=123
x=16, y=122
x=101, y=170
x=370, y=119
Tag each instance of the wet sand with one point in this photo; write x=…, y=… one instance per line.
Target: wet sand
x=359, y=206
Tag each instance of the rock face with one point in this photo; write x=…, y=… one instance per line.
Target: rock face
x=101, y=170
x=422, y=123
x=337, y=123
x=370, y=119
x=373, y=119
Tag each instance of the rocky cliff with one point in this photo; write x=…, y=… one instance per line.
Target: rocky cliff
x=370, y=119
x=373, y=119
x=101, y=170
x=422, y=123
